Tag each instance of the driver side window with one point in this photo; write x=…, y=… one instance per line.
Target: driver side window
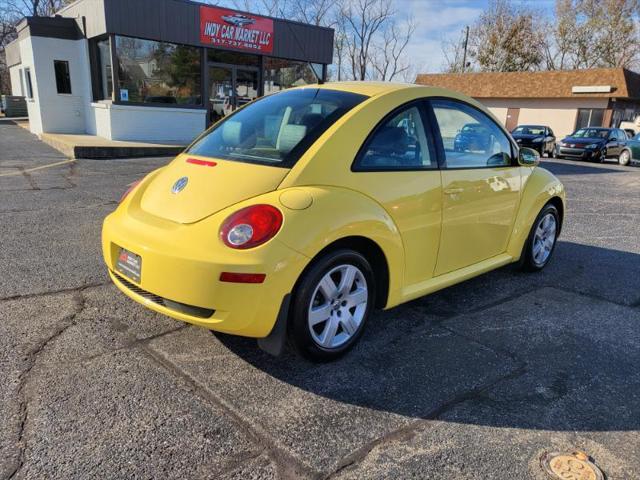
x=470, y=138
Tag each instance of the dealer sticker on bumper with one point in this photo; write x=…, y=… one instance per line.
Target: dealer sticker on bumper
x=129, y=264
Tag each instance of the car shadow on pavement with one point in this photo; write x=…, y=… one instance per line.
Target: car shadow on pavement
x=564, y=167
x=558, y=350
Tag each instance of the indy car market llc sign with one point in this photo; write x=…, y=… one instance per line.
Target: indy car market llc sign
x=220, y=27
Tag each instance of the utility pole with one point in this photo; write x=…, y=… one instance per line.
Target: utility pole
x=466, y=42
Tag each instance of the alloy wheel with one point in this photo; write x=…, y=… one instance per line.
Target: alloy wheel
x=624, y=158
x=544, y=239
x=338, y=306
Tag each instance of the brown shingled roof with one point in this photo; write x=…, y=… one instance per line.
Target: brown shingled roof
x=550, y=84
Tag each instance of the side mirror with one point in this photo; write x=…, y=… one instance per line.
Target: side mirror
x=528, y=157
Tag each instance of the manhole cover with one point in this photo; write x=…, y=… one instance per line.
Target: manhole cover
x=570, y=466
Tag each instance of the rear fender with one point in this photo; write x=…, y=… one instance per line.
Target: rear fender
x=336, y=213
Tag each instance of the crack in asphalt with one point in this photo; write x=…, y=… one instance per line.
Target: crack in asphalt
x=23, y=378
x=288, y=466
x=132, y=344
x=82, y=207
x=29, y=178
x=407, y=432
x=27, y=296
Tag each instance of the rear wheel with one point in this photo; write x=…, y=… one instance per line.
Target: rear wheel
x=542, y=239
x=624, y=158
x=331, y=305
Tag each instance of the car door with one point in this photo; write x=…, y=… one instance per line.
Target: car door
x=398, y=167
x=613, y=144
x=481, y=188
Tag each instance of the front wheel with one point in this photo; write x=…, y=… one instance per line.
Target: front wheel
x=331, y=305
x=542, y=239
x=624, y=158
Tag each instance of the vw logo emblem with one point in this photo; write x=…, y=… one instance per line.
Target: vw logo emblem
x=179, y=185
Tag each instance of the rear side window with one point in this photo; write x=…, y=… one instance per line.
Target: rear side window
x=470, y=138
x=399, y=143
x=277, y=129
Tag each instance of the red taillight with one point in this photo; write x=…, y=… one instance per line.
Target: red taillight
x=251, y=226
x=242, y=277
x=132, y=186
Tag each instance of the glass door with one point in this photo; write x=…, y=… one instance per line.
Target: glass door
x=221, y=97
x=246, y=86
x=230, y=87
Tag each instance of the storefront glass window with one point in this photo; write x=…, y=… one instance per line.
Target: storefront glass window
x=589, y=117
x=281, y=74
x=106, y=76
x=158, y=72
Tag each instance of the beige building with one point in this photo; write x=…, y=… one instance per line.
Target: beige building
x=563, y=100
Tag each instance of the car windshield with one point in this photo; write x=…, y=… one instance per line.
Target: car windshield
x=590, y=133
x=529, y=130
x=636, y=137
x=277, y=129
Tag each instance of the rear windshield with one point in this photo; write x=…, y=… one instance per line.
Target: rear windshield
x=277, y=129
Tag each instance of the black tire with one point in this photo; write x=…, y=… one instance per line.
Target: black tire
x=299, y=331
x=527, y=262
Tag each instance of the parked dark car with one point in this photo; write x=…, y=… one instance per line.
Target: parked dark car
x=473, y=137
x=630, y=132
x=592, y=143
x=538, y=137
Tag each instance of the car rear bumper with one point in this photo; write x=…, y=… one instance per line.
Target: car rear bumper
x=180, y=275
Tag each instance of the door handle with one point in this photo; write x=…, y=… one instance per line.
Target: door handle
x=453, y=191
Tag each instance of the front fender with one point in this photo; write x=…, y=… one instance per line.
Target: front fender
x=336, y=213
x=538, y=187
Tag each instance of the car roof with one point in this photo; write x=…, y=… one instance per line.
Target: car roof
x=371, y=89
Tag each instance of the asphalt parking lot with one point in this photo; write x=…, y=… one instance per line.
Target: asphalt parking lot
x=476, y=381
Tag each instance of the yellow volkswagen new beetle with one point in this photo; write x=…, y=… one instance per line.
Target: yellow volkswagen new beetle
x=299, y=214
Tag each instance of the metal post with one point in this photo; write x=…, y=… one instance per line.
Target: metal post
x=466, y=42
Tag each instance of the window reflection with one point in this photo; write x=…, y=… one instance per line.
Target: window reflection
x=280, y=74
x=158, y=72
x=106, y=76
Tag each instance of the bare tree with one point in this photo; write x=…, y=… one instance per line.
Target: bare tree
x=561, y=33
x=389, y=60
x=453, y=51
x=362, y=21
x=314, y=12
